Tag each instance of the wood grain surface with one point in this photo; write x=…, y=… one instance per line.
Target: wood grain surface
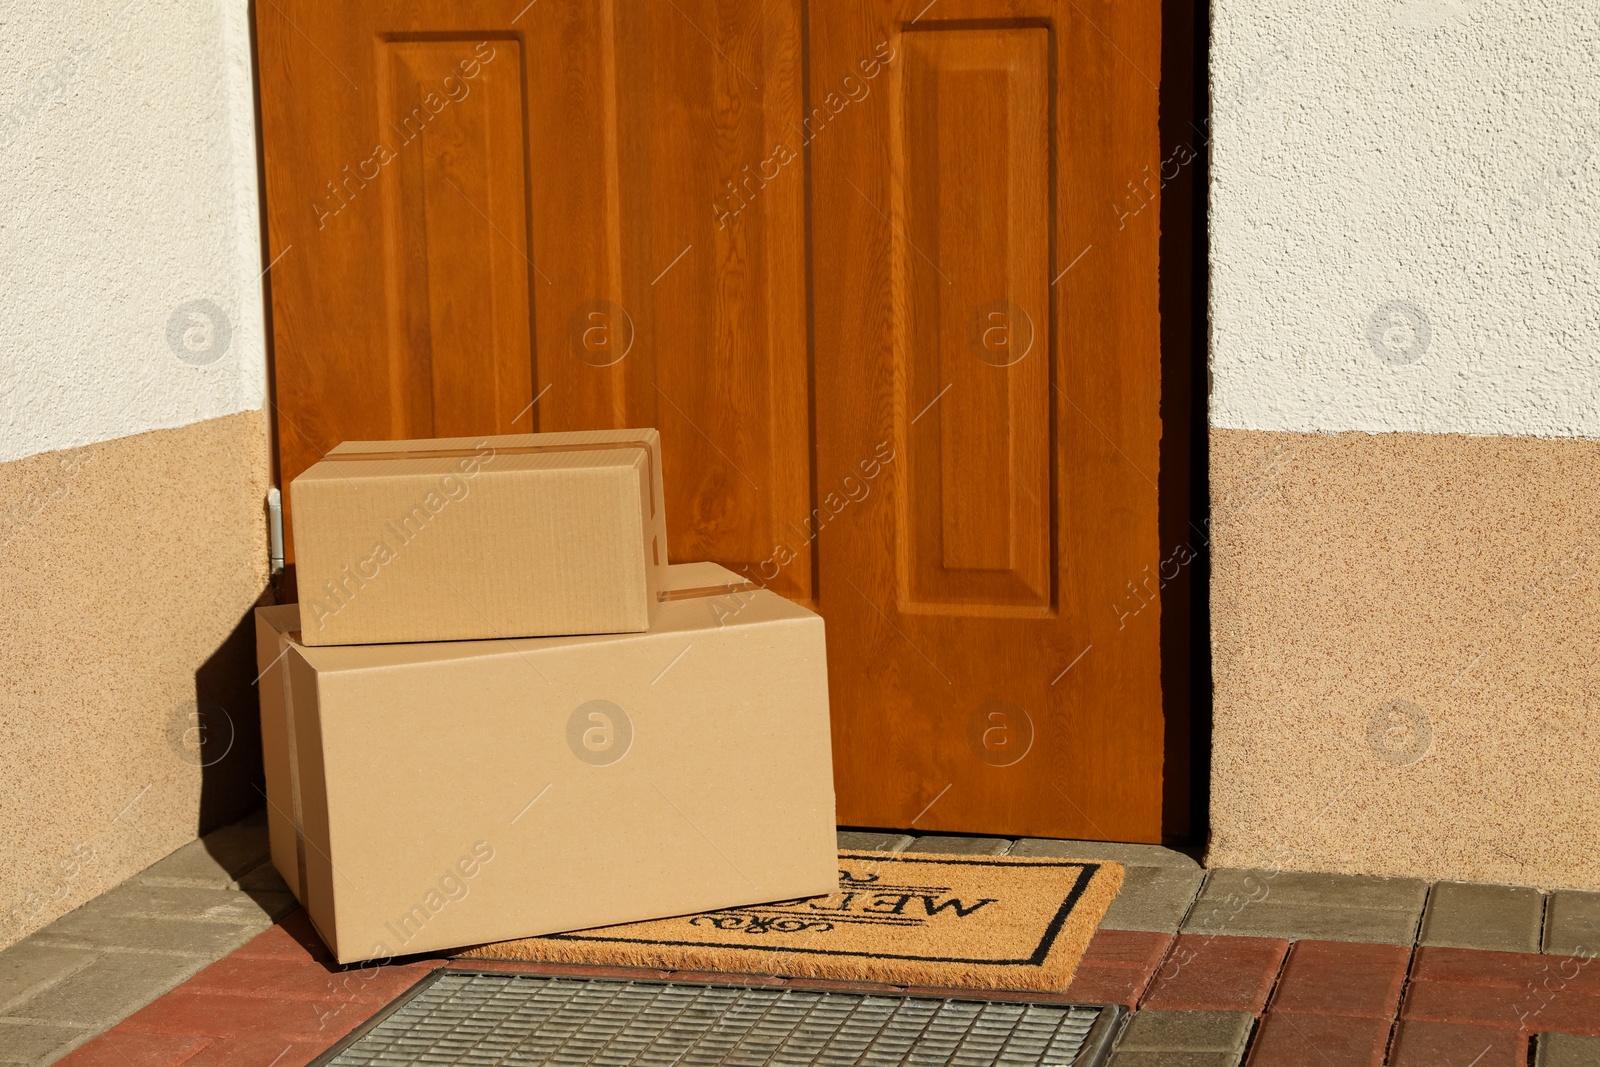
x=864, y=266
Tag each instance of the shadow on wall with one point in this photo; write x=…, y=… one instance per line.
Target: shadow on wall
x=222, y=731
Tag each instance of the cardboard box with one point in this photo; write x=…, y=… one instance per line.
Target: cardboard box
x=432, y=796
x=487, y=537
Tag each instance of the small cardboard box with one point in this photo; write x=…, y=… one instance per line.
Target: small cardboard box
x=487, y=537
x=433, y=796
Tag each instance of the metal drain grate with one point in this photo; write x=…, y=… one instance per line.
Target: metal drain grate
x=496, y=1018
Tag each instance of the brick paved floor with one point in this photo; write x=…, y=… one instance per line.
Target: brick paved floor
x=204, y=959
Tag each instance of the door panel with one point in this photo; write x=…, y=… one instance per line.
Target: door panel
x=458, y=293
x=857, y=262
x=977, y=665
x=969, y=169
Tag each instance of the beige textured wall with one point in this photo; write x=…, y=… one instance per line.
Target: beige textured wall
x=1407, y=655
x=128, y=570
x=1404, y=226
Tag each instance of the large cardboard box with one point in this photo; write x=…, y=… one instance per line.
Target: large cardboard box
x=431, y=796
x=274, y=624
x=485, y=537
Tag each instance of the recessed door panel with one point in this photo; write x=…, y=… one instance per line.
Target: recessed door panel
x=972, y=140
x=458, y=296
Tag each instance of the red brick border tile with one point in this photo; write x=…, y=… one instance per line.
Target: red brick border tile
x=256, y=1051
x=191, y=1009
x=300, y=980
x=279, y=1000
x=291, y=938
x=1117, y=967
x=1447, y=1002
x=1521, y=969
x=1515, y=990
x=1342, y=978
x=217, y=1015
x=1221, y=973
x=118, y=1048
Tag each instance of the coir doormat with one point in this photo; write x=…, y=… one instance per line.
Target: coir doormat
x=964, y=922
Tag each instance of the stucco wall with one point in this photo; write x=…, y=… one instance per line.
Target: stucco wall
x=1405, y=216
x=127, y=195
x=127, y=716
x=133, y=448
x=1405, y=314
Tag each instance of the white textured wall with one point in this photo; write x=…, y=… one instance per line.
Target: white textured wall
x=127, y=189
x=1405, y=216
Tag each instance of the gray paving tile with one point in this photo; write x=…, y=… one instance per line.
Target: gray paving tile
x=1132, y=855
x=873, y=841
x=30, y=966
x=1292, y=904
x=252, y=908
x=1334, y=890
x=89, y=927
x=1496, y=917
x=961, y=846
x=107, y=990
x=1187, y=1031
x=218, y=860
x=22, y=1042
x=266, y=879
x=1153, y=899
x=1299, y=921
x=1572, y=923
x=1566, y=1050
x=114, y=954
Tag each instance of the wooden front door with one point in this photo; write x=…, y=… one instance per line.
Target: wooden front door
x=871, y=269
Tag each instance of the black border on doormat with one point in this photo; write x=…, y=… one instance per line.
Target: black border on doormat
x=1086, y=874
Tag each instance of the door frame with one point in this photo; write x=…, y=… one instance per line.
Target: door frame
x=1183, y=482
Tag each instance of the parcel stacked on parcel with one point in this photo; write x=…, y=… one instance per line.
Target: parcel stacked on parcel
x=519, y=536
x=496, y=711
